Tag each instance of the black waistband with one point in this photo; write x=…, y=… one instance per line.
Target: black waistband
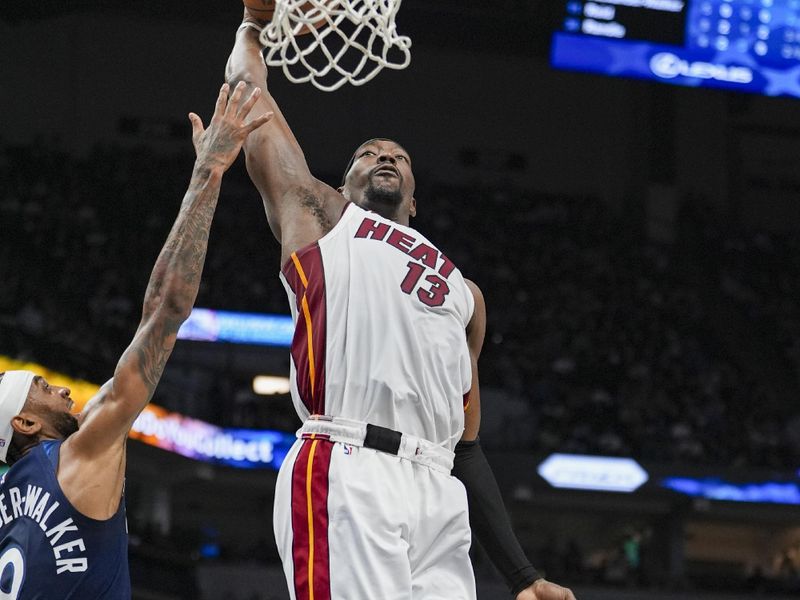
x=383, y=439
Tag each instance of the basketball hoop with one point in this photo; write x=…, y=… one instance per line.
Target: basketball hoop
x=333, y=42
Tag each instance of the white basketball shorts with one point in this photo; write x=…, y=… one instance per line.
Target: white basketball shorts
x=355, y=523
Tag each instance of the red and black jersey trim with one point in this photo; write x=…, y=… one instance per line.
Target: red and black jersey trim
x=306, y=276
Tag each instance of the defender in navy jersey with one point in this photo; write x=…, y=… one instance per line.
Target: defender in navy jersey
x=384, y=376
x=50, y=550
x=62, y=513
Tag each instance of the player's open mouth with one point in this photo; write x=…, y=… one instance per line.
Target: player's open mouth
x=386, y=171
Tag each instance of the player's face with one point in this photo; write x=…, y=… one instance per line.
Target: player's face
x=381, y=173
x=53, y=405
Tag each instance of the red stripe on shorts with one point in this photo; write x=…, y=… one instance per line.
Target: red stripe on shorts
x=310, y=552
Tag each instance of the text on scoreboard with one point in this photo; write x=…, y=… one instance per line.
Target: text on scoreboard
x=743, y=45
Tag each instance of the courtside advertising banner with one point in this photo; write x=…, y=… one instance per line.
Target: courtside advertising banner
x=174, y=432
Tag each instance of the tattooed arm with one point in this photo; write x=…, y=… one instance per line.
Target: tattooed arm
x=168, y=301
x=300, y=209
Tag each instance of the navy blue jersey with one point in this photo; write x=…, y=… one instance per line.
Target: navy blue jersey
x=49, y=550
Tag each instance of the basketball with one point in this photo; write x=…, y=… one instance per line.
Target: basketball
x=260, y=9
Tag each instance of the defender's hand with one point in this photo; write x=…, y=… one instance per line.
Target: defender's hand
x=220, y=144
x=541, y=589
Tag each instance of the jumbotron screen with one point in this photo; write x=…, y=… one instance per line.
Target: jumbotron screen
x=742, y=45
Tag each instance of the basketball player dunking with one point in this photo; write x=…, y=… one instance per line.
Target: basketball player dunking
x=384, y=377
x=62, y=514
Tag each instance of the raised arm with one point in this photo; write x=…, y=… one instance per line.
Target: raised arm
x=300, y=209
x=487, y=514
x=95, y=465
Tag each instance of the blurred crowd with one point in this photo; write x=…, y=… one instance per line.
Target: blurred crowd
x=603, y=341
x=599, y=339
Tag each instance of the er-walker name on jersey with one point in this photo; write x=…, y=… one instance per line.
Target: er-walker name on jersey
x=40, y=507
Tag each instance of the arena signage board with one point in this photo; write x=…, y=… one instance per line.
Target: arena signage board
x=208, y=325
x=242, y=448
x=741, y=45
x=174, y=432
x=712, y=488
x=601, y=473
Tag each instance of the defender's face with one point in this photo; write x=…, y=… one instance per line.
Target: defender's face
x=52, y=397
x=383, y=165
x=51, y=406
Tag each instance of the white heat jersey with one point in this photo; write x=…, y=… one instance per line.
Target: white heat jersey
x=380, y=316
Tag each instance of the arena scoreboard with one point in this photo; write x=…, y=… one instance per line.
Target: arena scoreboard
x=742, y=45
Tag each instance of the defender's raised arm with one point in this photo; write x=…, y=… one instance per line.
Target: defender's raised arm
x=75, y=465
x=168, y=301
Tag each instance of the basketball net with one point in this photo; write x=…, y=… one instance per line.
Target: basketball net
x=333, y=42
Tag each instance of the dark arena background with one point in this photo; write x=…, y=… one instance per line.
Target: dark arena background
x=637, y=244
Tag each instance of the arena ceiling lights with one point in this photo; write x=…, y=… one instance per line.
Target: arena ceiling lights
x=598, y=473
x=268, y=385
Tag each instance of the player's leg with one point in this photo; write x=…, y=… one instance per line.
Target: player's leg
x=341, y=523
x=440, y=565
x=281, y=515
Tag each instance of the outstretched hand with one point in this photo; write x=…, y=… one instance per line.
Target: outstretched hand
x=220, y=144
x=541, y=589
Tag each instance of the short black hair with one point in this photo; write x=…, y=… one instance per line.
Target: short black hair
x=361, y=145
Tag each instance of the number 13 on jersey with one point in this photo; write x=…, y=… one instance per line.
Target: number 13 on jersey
x=433, y=294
